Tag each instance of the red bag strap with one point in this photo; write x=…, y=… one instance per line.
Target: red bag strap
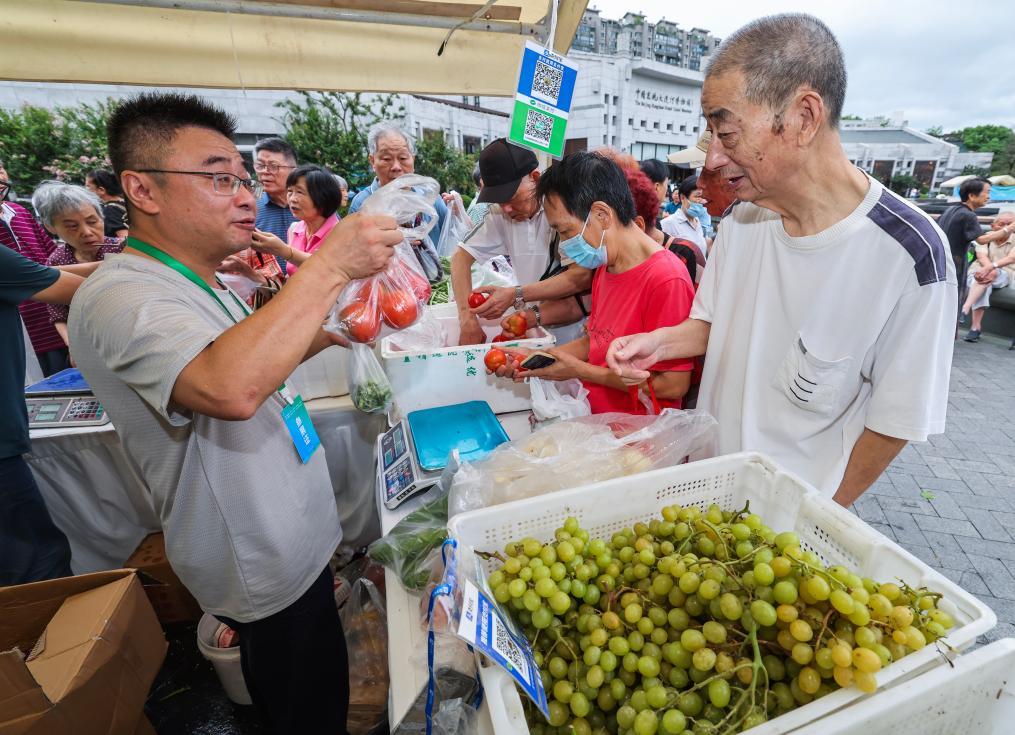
x=636, y=403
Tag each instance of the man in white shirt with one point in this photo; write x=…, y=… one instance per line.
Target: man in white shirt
x=827, y=304
x=689, y=221
x=516, y=227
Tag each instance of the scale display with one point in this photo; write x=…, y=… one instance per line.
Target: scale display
x=401, y=476
x=54, y=411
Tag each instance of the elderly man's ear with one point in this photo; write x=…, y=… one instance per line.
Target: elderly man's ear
x=806, y=116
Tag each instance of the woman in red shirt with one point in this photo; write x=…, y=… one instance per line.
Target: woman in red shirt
x=637, y=284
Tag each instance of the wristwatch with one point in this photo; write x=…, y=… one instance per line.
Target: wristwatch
x=539, y=316
x=994, y=263
x=519, y=301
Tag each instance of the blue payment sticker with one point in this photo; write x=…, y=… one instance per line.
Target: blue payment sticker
x=301, y=428
x=482, y=625
x=547, y=77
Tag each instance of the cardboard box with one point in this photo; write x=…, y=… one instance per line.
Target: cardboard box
x=172, y=601
x=79, y=655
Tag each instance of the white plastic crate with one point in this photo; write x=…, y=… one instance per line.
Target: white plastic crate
x=974, y=696
x=440, y=377
x=782, y=500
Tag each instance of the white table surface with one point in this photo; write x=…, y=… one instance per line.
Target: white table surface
x=405, y=633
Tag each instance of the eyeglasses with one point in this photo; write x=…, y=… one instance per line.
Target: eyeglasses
x=224, y=183
x=271, y=167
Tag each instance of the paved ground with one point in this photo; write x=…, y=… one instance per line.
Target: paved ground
x=951, y=501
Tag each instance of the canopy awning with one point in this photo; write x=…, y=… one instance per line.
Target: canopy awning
x=338, y=45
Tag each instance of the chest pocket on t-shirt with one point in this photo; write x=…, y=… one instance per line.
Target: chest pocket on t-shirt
x=810, y=382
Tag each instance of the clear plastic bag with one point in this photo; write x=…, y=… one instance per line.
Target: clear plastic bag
x=366, y=637
x=393, y=299
x=426, y=334
x=457, y=224
x=243, y=286
x=455, y=717
x=408, y=548
x=497, y=271
x=564, y=399
x=582, y=451
x=369, y=387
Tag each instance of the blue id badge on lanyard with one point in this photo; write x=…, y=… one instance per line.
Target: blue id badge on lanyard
x=301, y=428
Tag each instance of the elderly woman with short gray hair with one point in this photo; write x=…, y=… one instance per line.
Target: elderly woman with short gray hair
x=74, y=214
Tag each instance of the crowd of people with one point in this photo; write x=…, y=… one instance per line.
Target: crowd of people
x=816, y=312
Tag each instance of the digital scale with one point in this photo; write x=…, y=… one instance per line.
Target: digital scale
x=416, y=452
x=63, y=400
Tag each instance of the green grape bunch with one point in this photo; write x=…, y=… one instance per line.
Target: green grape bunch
x=702, y=622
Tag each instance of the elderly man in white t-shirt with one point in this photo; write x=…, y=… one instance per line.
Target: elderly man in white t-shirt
x=828, y=302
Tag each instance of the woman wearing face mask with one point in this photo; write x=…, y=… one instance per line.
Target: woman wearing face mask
x=692, y=221
x=637, y=283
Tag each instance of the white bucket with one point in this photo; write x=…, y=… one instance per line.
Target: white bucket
x=225, y=661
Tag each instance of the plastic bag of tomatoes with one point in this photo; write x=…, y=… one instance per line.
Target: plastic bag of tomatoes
x=394, y=299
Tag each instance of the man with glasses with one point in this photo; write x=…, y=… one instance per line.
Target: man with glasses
x=274, y=158
x=20, y=231
x=199, y=392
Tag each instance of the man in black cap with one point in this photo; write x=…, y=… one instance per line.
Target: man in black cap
x=515, y=227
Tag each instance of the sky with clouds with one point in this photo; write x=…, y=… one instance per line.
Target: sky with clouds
x=941, y=63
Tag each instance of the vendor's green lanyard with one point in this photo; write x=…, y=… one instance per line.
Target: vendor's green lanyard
x=167, y=259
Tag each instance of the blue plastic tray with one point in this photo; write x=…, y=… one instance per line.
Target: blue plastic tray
x=472, y=428
x=65, y=382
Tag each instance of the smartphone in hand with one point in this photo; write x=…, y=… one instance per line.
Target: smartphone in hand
x=538, y=360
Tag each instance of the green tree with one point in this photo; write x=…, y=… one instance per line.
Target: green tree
x=974, y=171
x=330, y=129
x=937, y=131
x=987, y=138
x=435, y=157
x=1004, y=161
x=64, y=143
x=902, y=183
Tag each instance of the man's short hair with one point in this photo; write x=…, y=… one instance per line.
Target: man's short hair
x=972, y=187
x=656, y=170
x=382, y=129
x=276, y=145
x=51, y=199
x=142, y=128
x=582, y=178
x=780, y=53
x=321, y=186
x=106, y=180
x=477, y=175
x=688, y=186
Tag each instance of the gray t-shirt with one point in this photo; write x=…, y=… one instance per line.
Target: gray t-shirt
x=248, y=527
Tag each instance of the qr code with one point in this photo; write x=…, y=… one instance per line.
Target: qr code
x=538, y=127
x=546, y=82
x=506, y=647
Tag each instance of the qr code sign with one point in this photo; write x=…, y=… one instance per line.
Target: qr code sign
x=506, y=647
x=538, y=127
x=546, y=82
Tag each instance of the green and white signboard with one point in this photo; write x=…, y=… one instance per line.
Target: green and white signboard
x=543, y=100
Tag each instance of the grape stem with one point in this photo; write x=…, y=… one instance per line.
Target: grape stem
x=824, y=627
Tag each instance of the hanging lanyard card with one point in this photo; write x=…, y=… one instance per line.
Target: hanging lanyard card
x=301, y=428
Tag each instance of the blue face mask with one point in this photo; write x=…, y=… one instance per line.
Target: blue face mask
x=585, y=255
x=698, y=211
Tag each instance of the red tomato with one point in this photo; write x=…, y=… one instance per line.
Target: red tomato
x=477, y=299
x=361, y=321
x=517, y=325
x=494, y=359
x=420, y=286
x=398, y=308
x=503, y=338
